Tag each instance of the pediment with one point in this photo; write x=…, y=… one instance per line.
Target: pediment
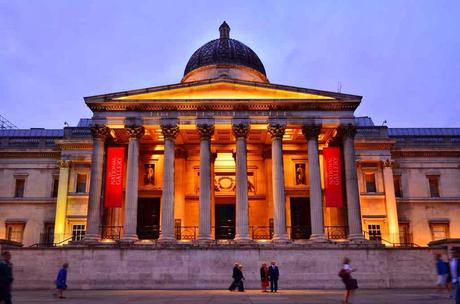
x=223, y=91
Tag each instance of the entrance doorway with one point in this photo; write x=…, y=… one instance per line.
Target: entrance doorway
x=300, y=218
x=225, y=221
x=148, y=218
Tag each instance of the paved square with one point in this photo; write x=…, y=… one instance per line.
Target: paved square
x=393, y=296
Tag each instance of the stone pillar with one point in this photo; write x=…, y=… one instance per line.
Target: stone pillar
x=279, y=199
x=241, y=131
x=353, y=207
x=132, y=184
x=204, y=230
x=311, y=133
x=170, y=132
x=100, y=133
x=390, y=202
x=61, y=201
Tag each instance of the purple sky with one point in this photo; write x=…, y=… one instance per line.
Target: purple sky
x=402, y=56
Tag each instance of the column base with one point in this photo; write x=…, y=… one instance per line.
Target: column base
x=243, y=239
x=280, y=239
x=129, y=238
x=318, y=238
x=356, y=238
x=91, y=238
x=166, y=239
x=205, y=240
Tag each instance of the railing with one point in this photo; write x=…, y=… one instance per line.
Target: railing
x=111, y=232
x=186, y=232
x=52, y=240
x=336, y=232
x=261, y=232
x=384, y=239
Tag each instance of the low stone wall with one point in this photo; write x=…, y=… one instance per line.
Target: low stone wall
x=211, y=268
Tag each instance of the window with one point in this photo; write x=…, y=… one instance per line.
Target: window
x=55, y=187
x=439, y=231
x=433, y=181
x=15, y=232
x=404, y=235
x=375, y=234
x=81, y=183
x=397, y=185
x=78, y=232
x=370, y=182
x=19, y=189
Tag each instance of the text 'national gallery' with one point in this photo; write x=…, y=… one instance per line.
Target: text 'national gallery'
x=226, y=157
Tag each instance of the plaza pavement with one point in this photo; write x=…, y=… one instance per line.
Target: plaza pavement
x=393, y=296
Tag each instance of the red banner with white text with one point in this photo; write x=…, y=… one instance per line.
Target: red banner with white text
x=333, y=177
x=114, y=177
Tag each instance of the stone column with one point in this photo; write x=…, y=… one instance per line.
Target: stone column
x=311, y=133
x=390, y=202
x=204, y=230
x=132, y=184
x=100, y=133
x=241, y=131
x=353, y=207
x=170, y=132
x=61, y=201
x=279, y=198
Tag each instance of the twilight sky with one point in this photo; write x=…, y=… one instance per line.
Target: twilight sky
x=402, y=56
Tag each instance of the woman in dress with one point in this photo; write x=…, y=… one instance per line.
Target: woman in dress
x=350, y=283
x=264, y=277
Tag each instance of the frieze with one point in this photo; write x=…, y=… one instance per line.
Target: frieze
x=276, y=130
x=425, y=153
x=347, y=131
x=56, y=154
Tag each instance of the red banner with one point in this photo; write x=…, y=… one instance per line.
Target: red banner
x=333, y=177
x=114, y=177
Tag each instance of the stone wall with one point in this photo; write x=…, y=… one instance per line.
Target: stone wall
x=211, y=268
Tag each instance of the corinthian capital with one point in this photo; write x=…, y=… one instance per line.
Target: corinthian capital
x=388, y=163
x=311, y=131
x=347, y=131
x=240, y=130
x=100, y=131
x=205, y=130
x=135, y=131
x=169, y=131
x=63, y=163
x=276, y=130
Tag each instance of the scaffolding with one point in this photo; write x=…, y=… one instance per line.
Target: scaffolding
x=6, y=124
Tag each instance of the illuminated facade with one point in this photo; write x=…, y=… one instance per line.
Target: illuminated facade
x=226, y=156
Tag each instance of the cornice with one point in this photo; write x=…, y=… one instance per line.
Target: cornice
x=29, y=154
x=425, y=153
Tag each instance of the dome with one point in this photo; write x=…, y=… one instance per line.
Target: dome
x=225, y=53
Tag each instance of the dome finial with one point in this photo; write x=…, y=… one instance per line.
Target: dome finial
x=224, y=30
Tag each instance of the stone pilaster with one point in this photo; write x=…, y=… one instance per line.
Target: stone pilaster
x=241, y=131
x=132, y=184
x=170, y=131
x=61, y=201
x=279, y=198
x=204, y=230
x=390, y=201
x=100, y=133
x=348, y=133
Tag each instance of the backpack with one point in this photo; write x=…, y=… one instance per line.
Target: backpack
x=344, y=274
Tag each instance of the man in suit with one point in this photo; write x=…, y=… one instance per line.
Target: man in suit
x=273, y=275
x=235, y=277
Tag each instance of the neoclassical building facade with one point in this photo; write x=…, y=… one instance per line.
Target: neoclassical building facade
x=226, y=156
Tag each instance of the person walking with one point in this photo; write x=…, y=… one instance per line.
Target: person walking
x=61, y=281
x=264, y=277
x=234, y=277
x=273, y=275
x=240, y=278
x=442, y=269
x=6, y=278
x=455, y=274
x=350, y=284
